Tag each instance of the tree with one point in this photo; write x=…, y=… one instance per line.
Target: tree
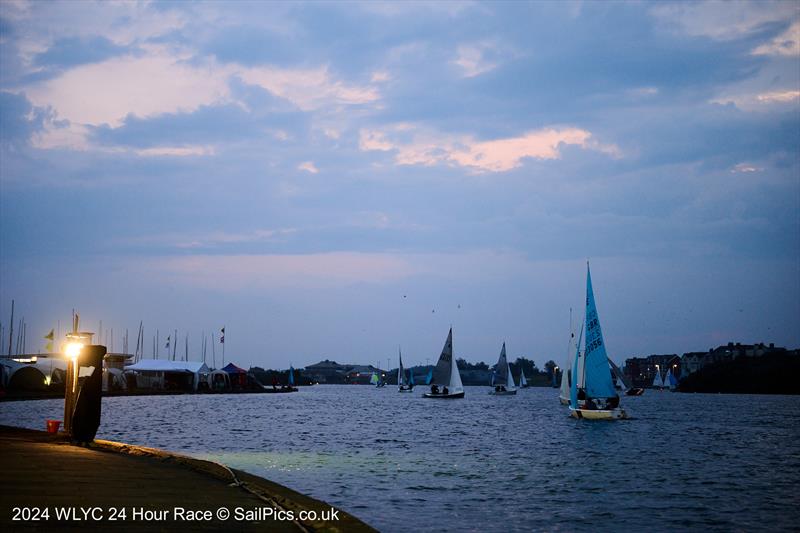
x=528, y=365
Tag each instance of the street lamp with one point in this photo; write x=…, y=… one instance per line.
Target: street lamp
x=75, y=343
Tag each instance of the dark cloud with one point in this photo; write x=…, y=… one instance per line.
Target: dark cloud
x=208, y=125
x=18, y=119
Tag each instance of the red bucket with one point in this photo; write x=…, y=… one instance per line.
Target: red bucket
x=52, y=426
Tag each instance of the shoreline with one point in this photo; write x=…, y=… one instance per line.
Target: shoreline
x=47, y=471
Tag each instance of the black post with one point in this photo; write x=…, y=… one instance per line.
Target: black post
x=86, y=416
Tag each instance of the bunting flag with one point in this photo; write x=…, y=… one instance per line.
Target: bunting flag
x=222, y=335
x=50, y=336
x=167, y=346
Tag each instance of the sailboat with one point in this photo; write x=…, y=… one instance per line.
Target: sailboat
x=671, y=381
x=596, y=399
x=502, y=381
x=446, y=382
x=523, y=383
x=290, y=387
x=566, y=376
x=622, y=382
x=657, y=381
x=402, y=385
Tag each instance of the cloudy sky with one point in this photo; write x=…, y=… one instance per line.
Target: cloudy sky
x=337, y=179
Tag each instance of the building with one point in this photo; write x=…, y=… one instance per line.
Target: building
x=332, y=372
x=326, y=372
x=641, y=370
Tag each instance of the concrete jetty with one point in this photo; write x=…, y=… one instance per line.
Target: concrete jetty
x=132, y=488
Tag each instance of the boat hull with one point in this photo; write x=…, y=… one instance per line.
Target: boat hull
x=503, y=393
x=599, y=414
x=564, y=401
x=636, y=391
x=405, y=390
x=447, y=396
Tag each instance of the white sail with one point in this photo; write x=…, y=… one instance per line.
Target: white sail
x=510, y=380
x=657, y=381
x=621, y=381
x=446, y=372
x=455, y=377
x=522, y=381
x=566, y=374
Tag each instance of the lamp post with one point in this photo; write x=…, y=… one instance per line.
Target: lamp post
x=75, y=343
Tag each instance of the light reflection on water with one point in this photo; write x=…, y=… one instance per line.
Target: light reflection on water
x=486, y=463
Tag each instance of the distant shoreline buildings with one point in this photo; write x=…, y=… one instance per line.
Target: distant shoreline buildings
x=642, y=370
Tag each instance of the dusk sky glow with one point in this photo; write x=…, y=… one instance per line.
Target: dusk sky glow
x=332, y=180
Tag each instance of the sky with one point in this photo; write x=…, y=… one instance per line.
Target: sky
x=343, y=180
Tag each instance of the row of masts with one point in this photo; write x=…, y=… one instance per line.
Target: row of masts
x=18, y=347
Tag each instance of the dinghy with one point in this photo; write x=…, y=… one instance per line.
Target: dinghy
x=446, y=382
x=622, y=382
x=402, y=385
x=671, y=381
x=502, y=381
x=566, y=375
x=592, y=396
x=658, y=383
x=523, y=383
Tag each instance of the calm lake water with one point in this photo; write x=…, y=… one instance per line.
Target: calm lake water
x=401, y=462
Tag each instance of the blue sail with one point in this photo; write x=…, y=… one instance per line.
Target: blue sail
x=430, y=377
x=291, y=376
x=597, y=376
x=411, y=377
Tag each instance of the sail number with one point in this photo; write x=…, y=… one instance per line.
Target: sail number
x=593, y=345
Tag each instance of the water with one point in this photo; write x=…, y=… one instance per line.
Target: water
x=401, y=462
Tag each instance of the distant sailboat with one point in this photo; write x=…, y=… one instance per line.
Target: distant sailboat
x=446, y=377
x=291, y=376
x=523, y=383
x=502, y=381
x=568, y=376
x=402, y=385
x=657, y=381
x=671, y=381
x=622, y=382
x=375, y=380
x=596, y=399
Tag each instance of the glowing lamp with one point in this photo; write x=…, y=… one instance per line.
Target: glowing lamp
x=73, y=349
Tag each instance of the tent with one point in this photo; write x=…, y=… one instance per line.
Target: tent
x=113, y=379
x=161, y=373
x=21, y=377
x=238, y=376
x=219, y=380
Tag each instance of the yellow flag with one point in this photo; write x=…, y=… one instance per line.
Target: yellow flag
x=50, y=336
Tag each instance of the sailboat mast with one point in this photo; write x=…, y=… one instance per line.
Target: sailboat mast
x=11, y=328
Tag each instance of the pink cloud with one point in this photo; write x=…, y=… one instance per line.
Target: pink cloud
x=497, y=155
